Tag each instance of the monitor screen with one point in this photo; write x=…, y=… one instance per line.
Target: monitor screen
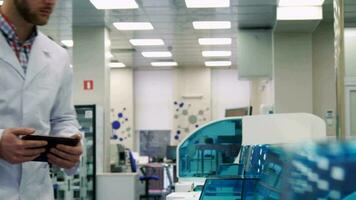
x=153, y=143
x=171, y=153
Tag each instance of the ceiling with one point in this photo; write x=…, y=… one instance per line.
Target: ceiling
x=173, y=23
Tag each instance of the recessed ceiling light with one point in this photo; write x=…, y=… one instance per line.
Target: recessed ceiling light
x=146, y=42
x=216, y=53
x=111, y=4
x=117, y=65
x=207, y=3
x=68, y=43
x=131, y=26
x=1, y=2
x=212, y=25
x=157, y=54
x=300, y=13
x=164, y=64
x=218, y=63
x=301, y=2
x=215, y=41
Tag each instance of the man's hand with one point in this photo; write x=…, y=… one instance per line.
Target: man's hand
x=66, y=156
x=16, y=151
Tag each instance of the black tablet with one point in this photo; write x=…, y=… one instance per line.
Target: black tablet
x=52, y=141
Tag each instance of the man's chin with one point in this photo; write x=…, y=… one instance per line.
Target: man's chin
x=38, y=20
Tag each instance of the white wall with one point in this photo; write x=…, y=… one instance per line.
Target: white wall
x=267, y=92
x=350, y=52
x=153, y=99
x=261, y=95
x=122, y=102
x=324, y=83
x=193, y=89
x=293, y=72
x=228, y=92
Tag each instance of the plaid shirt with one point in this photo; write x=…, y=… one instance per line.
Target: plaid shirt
x=22, y=50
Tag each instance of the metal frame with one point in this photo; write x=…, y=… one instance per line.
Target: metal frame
x=94, y=144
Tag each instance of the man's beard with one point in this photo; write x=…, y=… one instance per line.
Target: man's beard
x=24, y=10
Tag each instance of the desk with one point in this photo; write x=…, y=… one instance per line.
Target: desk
x=183, y=196
x=117, y=186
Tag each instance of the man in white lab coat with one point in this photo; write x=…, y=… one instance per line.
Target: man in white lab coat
x=35, y=95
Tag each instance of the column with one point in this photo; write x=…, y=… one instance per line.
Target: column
x=92, y=81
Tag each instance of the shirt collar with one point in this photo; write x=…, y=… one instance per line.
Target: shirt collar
x=8, y=30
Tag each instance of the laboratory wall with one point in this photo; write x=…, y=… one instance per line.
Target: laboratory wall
x=192, y=103
x=228, y=92
x=324, y=87
x=153, y=99
x=293, y=73
x=262, y=95
x=177, y=100
x=122, y=106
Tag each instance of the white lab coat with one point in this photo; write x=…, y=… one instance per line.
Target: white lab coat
x=41, y=99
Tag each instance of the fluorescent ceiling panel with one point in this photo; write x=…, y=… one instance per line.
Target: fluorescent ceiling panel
x=157, y=54
x=146, y=42
x=300, y=13
x=207, y=3
x=216, y=53
x=116, y=65
x=212, y=25
x=68, y=43
x=218, y=63
x=164, y=64
x=215, y=41
x=132, y=26
x=301, y=2
x=1, y=2
x=114, y=4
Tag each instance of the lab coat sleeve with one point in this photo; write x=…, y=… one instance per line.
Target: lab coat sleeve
x=63, y=117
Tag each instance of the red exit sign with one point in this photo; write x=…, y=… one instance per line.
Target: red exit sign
x=88, y=85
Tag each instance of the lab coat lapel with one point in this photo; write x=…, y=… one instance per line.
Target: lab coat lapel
x=39, y=59
x=8, y=55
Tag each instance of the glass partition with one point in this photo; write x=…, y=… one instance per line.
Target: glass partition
x=209, y=147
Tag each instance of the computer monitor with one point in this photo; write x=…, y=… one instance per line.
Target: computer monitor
x=171, y=153
x=236, y=112
x=118, y=160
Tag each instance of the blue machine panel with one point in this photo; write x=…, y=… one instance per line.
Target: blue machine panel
x=209, y=147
